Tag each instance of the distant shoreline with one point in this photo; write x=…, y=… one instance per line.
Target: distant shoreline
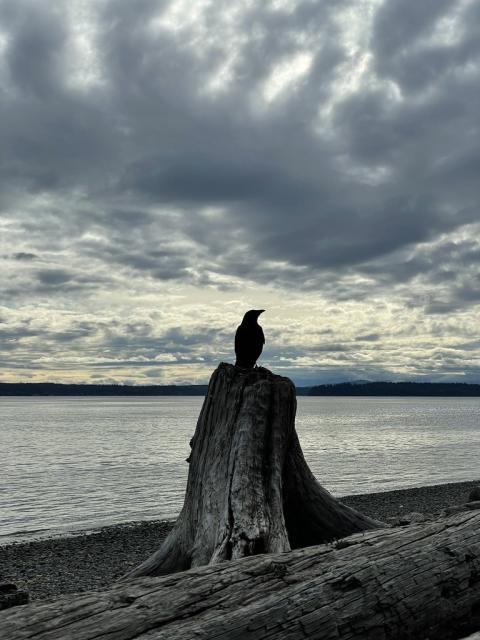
x=58, y=389
x=396, y=389
x=380, y=389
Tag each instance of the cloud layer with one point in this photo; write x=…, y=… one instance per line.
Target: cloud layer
x=166, y=166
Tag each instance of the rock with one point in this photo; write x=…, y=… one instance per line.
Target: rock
x=397, y=521
x=415, y=516
x=10, y=596
x=474, y=494
x=449, y=511
x=407, y=518
x=458, y=508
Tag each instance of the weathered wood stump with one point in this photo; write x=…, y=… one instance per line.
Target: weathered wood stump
x=249, y=488
x=411, y=583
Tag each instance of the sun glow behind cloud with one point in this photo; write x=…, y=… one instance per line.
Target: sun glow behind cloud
x=286, y=74
x=85, y=69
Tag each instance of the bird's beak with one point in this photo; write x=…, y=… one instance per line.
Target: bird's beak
x=260, y=311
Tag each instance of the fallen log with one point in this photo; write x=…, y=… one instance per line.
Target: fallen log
x=420, y=581
x=249, y=487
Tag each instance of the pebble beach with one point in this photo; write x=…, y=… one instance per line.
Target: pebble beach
x=50, y=567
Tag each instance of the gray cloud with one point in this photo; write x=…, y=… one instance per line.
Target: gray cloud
x=21, y=255
x=369, y=337
x=173, y=151
x=52, y=277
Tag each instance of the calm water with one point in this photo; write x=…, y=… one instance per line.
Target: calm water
x=74, y=463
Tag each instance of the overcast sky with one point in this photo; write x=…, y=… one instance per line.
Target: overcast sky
x=166, y=166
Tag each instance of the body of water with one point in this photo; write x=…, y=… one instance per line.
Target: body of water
x=70, y=463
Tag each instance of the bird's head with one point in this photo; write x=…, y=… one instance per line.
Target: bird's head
x=252, y=316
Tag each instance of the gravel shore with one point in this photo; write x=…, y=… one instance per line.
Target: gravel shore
x=50, y=567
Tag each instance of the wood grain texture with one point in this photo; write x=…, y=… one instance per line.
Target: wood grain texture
x=249, y=488
x=416, y=582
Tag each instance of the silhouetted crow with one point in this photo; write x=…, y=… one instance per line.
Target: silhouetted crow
x=249, y=340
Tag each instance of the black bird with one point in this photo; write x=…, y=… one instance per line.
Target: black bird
x=249, y=340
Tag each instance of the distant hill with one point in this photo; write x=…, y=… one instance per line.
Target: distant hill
x=438, y=389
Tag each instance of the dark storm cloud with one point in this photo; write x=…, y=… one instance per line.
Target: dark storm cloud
x=115, y=343
x=400, y=40
x=444, y=275
x=459, y=297
x=144, y=340
x=53, y=277
x=51, y=138
x=164, y=265
x=150, y=134
x=398, y=24
x=369, y=337
x=37, y=38
x=21, y=255
x=13, y=334
x=204, y=182
x=181, y=152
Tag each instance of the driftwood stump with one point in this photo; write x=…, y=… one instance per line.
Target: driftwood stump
x=249, y=488
x=409, y=583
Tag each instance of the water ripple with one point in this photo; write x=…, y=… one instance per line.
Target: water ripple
x=68, y=463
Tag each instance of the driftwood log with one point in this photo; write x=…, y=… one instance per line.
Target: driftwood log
x=249, y=488
x=416, y=582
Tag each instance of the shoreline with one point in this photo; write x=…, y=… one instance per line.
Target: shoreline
x=93, y=559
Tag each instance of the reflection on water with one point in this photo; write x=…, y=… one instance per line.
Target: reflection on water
x=71, y=463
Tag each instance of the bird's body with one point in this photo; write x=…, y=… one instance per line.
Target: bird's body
x=249, y=340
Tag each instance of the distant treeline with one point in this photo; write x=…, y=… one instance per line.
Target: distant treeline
x=52, y=389
x=396, y=389
x=342, y=389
